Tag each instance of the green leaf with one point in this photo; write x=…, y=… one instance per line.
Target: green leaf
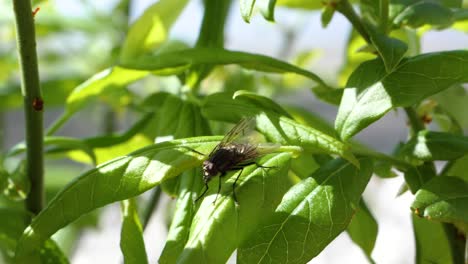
x=327, y=14
x=452, y=3
x=246, y=9
x=118, y=138
x=267, y=8
x=461, y=25
x=189, y=122
x=180, y=118
x=303, y=4
x=384, y=169
x=3, y=178
x=425, y=13
x=373, y=92
x=131, y=234
x=171, y=187
x=151, y=29
x=303, y=59
x=391, y=50
x=309, y=118
x=310, y=216
x=177, y=62
x=114, y=145
x=432, y=243
x=416, y=177
x=12, y=224
x=363, y=229
x=51, y=253
x=446, y=121
x=443, y=199
x=58, y=143
x=100, y=83
x=116, y=180
x=104, y=154
x=430, y=145
x=261, y=101
x=276, y=128
x=221, y=227
x=358, y=51
x=110, y=146
x=453, y=101
x=304, y=165
x=353, y=58
x=328, y=94
x=460, y=168
x=179, y=231
x=19, y=184
x=108, y=79
x=177, y=118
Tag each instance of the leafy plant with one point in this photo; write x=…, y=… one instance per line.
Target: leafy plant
x=182, y=95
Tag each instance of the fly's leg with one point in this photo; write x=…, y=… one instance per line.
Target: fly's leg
x=193, y=150
x=234, y=186
x=203, y=193
x=258, y=165
x=241, y=168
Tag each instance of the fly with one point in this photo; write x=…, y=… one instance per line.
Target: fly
x=232, y=154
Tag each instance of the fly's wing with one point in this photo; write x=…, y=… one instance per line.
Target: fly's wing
x=267, y=148
x=248, y=152
x=239, y=133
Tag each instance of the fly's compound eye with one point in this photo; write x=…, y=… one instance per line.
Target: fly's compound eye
x=207, y=166
x=208, y=170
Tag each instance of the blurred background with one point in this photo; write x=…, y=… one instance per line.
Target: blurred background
x=79, y=38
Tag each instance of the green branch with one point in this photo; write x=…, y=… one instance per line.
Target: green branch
x=345, y=8
x=398, y=163
x=26, y=41
x=415, y=122
x=2, y=132
x=384, y=15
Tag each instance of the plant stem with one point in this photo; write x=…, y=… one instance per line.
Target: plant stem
x=384, y=15
x=345, y=8
x=26, y=42
x=57, y=124
x=211, y=35
x=415, y=122
x=403, y=165
x=2, y=131
x=109, y=122
x=152, y=204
